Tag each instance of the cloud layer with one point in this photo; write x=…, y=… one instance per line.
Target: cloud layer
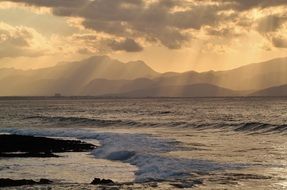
x=128, y=25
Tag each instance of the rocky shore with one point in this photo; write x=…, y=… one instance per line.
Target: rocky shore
x=6, y=182
x=18, y=146
x=29, y=146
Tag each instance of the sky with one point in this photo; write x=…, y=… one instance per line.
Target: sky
x=169, y=35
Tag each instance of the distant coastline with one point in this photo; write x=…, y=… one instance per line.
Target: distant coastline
x=111, y=98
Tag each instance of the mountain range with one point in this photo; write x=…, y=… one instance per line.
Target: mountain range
x=103, y=76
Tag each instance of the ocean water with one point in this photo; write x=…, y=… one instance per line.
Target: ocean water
x=225, y=143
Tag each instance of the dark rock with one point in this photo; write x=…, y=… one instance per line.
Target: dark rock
x=188, y=184
x=28, y=155
x=98, y=181
x=11, y=183
x=233, y=178
x=29, y=146
x=153, y=184
x=45, y=181
x=242, y=176
x=6, y=182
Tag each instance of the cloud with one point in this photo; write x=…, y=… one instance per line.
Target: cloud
x=84, y=51
x=224, y=31
x=17, y=41
x=114, y=28
x=157, y=20
x=15, y=36
x=171, y=23
x=53, y=3
x=128, y=45
x=95, y=43
x=273, y=28
x=271, y=23
x=279, y=42
x=250, y=4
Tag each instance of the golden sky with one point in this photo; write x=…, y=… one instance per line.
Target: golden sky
x=169, y=35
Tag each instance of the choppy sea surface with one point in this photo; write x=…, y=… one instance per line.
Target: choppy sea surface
x=196, y=143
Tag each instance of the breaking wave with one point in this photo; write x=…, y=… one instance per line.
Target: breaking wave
x=147, y=153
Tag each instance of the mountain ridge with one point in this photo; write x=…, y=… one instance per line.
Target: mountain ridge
x=196, y=90
x=272, y=91
x=100, y=75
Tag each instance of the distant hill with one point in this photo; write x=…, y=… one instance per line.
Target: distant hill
x=101, y=75
x=256, y=76
x=250, y=77
x=196, y=90
x=273, y=91
x=70, y=78
x=96, y=67
x=104, y=86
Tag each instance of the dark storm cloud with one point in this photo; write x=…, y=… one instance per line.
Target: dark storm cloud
x=110, y=27
x=128, y=45
x=168, y=22
x=125, y=18
x=53, y=3
x=155, y=20
x=249, y=4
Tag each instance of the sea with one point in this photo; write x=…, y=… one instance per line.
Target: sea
x=153, y=143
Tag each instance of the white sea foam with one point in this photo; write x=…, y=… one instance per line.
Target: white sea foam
x=143, y=151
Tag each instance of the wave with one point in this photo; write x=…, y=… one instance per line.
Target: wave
x=147, y=153
x=260, y=128
x=238, y=127
x=249, y=127
x=82, y=121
